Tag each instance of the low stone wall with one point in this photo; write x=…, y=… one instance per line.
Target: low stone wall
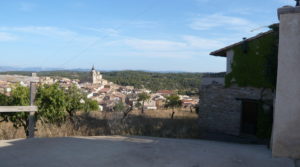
x=213, y=80
x=220, y=109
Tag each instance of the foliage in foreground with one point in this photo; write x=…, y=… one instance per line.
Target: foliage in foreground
x=51, y=103
x=19, y=97
x=54, y=104
x=151, y=123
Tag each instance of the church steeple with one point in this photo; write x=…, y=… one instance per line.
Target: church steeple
x=95, y=76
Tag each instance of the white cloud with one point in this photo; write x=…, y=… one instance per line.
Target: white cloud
x=202, y=1
x=27, y=7
x=186, y=42
x=105, y=31
x=221, y=21
x=183, y=46
x=52, y=32
x=186, y=46
x=4, y=36
x=285, y=2
x=202, y=43
x=154, y=45
x=142, y=24
x=41, y=30
x=78, y=4
x=167, y=54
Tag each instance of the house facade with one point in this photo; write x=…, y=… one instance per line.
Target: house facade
x=240, y=101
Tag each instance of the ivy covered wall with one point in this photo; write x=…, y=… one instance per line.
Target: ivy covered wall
x=255, y=62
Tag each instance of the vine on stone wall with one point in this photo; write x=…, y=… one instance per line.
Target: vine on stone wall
x=256, y=67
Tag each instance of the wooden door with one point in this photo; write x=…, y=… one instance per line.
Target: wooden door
x=249, y=117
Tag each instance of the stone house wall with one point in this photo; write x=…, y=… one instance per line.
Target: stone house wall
x=212, y=80
x=220, y=110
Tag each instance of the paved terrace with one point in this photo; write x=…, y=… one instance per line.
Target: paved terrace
x=134, y=152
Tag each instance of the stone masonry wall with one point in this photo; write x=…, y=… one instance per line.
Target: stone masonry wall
x=219, y=109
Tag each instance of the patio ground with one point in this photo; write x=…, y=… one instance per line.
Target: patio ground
x=134, y=152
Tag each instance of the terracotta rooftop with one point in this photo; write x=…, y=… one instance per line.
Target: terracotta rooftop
x=165, y=91
x=104, y=90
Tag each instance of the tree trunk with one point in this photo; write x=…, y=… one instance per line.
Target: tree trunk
x=125, y=113
x=71, y=113
x=71, y=116
x=143, y=107
x=25, y=126
x=26, y=132
x=173, y=112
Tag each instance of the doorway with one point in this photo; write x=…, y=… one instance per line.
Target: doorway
x=249, y=117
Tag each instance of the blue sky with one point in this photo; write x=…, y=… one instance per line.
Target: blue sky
x=157, y=35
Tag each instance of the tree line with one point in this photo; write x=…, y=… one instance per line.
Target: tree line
x=185, y=83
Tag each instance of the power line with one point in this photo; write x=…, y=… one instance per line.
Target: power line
x=259, y=28
x=57, y=51
x=105, y=36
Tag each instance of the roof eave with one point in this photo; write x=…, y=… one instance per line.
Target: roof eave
x=222, y=52
x=218, y=53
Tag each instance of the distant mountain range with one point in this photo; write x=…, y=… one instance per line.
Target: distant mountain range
x=39, y=69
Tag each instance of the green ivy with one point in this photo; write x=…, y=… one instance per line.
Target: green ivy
x=264, y=123
x=255, y=65
x=255, y=62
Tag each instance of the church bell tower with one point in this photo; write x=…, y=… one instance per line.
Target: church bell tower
x=96, y=77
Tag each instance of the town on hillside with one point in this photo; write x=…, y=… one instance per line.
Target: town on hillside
x=106, y=93
x=187, y=83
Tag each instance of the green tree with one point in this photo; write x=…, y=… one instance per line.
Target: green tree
x=119, y=107
x=73, y=98
x=51, y=103
x=4, y=100
x=142, y=97
x=90, y=105
x=173, y=101
x=19, y=97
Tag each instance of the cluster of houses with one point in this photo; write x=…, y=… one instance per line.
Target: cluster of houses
x=106, y=93
x=5, y=87
x=7, y=82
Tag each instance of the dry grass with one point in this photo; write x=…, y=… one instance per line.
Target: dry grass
x=152, y=123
